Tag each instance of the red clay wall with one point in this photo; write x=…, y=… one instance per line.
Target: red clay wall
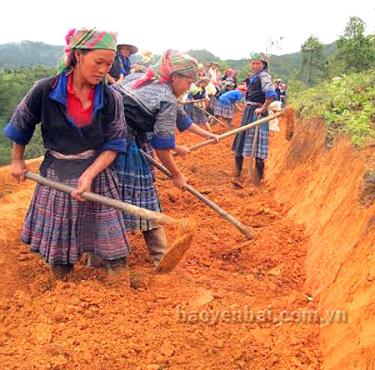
x=323, y=187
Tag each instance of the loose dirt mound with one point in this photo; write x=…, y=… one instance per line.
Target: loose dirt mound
x=200, y=316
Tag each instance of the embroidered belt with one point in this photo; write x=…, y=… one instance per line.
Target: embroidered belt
x=83, y=155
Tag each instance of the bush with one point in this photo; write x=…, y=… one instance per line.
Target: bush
x=346, y=103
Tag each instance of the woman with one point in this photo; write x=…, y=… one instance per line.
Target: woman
x=83, y=129
x=277, y=88
x=196, y=111
x=224, y=107
x=260, y=94
x=202, y=70
x=152, y=113
x=214, y=73
x=283, y=94
x=121, y=65
x=230, y=75
x=227, y=85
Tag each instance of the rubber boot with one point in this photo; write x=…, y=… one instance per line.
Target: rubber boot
x=116, y=265
x=237, y=181
x=259, y=164
x=238, y=166
x=61, y=272
x=94, y=261
x=156, y=241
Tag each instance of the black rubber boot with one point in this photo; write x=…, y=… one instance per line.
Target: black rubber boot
x=156, y=241
x=238, y=166
x=237, y=181
x=94, y=261
x=116, y=265
x=259, y=163
x=61, y=272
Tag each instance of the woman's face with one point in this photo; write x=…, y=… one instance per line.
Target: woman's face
x=180, y=84
x=256, y=65
x=203, y=84
x=94, y=65
x=124, y=51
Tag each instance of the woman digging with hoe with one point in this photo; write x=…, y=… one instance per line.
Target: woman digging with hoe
x=152, y=115
x=83, y=129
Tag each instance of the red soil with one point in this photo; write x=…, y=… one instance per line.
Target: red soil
x=139, y=320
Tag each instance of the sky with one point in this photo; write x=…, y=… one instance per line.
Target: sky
x=228, y=29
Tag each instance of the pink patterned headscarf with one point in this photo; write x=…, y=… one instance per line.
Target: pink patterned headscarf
x=172, y=61
x=87, y=39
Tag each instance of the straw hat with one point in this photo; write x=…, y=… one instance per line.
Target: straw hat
x=121, y=42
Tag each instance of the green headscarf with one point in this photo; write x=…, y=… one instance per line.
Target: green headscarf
x=87, y=39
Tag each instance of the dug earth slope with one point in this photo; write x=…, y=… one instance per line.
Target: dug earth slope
x=330, y=192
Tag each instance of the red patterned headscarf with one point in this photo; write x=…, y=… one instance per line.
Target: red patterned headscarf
x=172, y=61
x=87, y=39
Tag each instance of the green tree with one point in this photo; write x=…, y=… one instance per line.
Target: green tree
x=355, y=51
x=14, y=84
x=312, y=63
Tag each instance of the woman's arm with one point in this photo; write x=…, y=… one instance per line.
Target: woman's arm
x=121, y=78
x=166, y=159
x=264, y=107
x=181, y=150
x=110, y=79
x=18, y=166
x=269, y=91
x=104, y=160
x=21, y=127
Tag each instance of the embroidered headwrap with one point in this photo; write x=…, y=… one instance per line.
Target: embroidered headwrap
x=87, y=39
x=172, y=61
x=260, y=56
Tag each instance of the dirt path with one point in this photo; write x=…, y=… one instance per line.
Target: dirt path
x=200, y=316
